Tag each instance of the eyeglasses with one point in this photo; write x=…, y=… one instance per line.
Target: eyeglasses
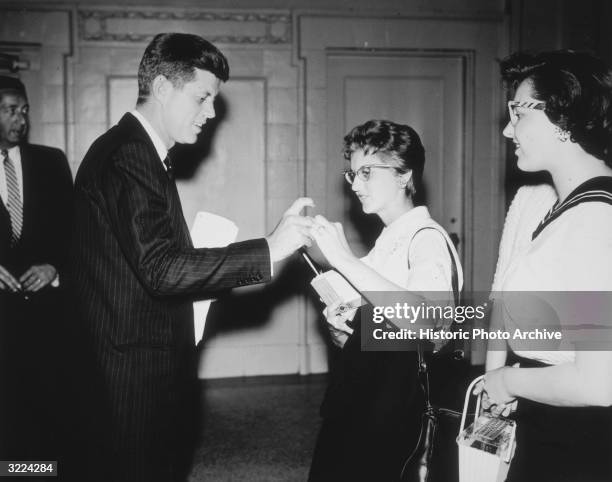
x=364, y=172
x=513, y=104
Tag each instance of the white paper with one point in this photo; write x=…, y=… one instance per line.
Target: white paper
x=335, y=290
x=209, y=231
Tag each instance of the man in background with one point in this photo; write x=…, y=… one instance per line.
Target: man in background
x=35, y=208
x=136, y=273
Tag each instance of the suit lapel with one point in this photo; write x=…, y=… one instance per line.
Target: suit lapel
x=136, y=130
x=5, y=228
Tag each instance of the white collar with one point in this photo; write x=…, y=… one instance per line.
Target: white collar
x=160, y=147
x=400, y=228
x=15, y=154
x=414, y=215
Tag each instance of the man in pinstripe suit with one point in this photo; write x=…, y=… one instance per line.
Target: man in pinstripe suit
x=135, y=272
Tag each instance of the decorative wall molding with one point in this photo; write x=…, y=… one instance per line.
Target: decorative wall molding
x=99, y=25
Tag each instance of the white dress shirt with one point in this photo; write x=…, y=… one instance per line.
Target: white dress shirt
x=416, y=262
x=160, y=147
x=15, y=155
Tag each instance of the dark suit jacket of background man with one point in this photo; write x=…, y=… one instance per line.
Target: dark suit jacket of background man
x=136, y=274
x=29, y=329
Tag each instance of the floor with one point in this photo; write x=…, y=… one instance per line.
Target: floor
x=264, y=428
x=260, y=429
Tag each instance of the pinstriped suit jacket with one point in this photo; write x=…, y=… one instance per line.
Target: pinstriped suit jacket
x=135, y=274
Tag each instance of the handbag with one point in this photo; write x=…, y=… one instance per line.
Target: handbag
x=419, y=465
x=487, y=446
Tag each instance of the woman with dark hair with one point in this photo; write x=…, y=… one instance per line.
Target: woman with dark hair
x=372, y=409
x=557, y=238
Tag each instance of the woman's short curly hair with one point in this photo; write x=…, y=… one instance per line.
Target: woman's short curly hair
x=577, y=90
x=399, y=143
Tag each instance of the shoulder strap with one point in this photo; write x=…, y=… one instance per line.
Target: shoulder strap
x=423, y=373
x=598, y=189
x=454, y=275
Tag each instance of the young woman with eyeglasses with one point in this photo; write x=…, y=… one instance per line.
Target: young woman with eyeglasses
x=557, y=238
x=372, y=409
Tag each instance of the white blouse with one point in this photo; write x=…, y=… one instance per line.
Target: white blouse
x=573, y=253
x=416, y=262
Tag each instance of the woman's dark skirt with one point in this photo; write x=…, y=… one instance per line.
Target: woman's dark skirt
x=371, y=416
x=561, y=444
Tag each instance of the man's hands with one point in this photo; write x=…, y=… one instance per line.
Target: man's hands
x=8, y=281
x=291, y=233
x=37, y=277
x=33, y=280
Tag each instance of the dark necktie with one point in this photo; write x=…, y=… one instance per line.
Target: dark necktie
x=169, y=167
x=14, y=204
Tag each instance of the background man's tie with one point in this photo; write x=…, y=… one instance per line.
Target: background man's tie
x=14, y=204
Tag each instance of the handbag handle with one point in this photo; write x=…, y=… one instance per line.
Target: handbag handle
x=512, y=440
x=467, y=401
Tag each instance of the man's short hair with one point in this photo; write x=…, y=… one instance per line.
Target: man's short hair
x=11, y=85
x=176, y=56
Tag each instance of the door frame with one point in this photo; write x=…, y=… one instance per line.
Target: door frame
x=481, y=41
x=466, y=101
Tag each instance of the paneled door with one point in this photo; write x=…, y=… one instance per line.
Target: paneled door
x=421, y=89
